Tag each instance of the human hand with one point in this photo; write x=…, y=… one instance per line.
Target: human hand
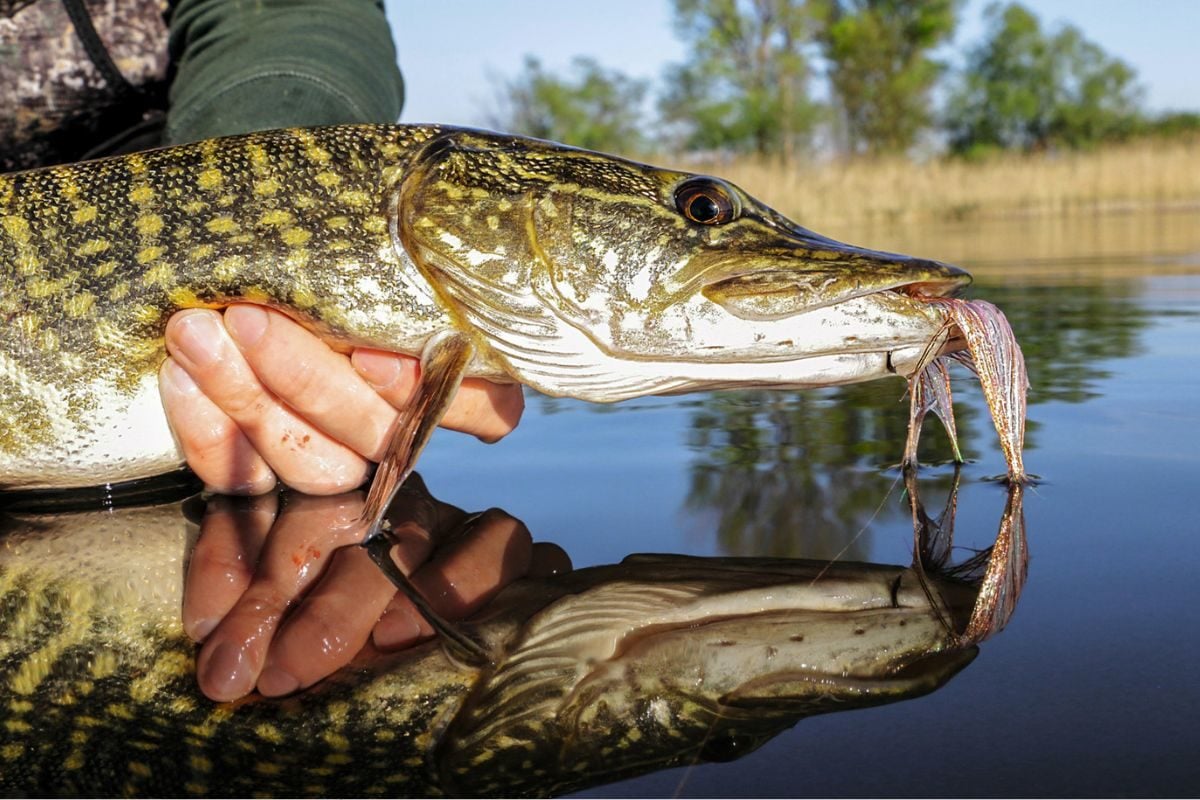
x=281, y=598
x=252, y=395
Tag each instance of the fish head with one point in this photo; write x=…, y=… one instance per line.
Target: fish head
x=596, y=277
x=670, y=660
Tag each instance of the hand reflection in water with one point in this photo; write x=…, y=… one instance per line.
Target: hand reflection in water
x=281, y=596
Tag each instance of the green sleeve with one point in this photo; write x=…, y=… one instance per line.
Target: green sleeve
x=245, y=65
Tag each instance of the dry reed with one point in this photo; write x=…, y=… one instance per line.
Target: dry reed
x=1148, y=174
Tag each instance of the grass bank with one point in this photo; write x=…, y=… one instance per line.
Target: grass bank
x=1142, y=175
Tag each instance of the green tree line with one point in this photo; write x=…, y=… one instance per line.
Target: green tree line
x=747, y=85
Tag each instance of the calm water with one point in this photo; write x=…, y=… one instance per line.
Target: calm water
x=1091, y=689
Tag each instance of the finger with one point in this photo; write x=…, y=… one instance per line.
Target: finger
x=319, y=384
x=489, y=411
x=413, y=506
x=335, y=619
x=329, y=626
x=461, y=578
x=300, y=454
x=481, y=408
x=214, y=446
x=470, y=570
x=222, y=563
x=298, y=548
x=406, y=625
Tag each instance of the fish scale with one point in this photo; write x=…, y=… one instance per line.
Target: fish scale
x=98, y=255
x=576, y=273
x=100, y=695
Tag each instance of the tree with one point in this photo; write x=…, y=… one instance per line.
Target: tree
x=596, y=108
x=745, y=85
x=797, y=474
x=880, y=70
x=1025, y=89
x=1171, y=124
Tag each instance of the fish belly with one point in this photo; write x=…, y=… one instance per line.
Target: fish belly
x=127, y=437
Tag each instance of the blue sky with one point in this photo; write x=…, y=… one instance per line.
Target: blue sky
x=449, y=49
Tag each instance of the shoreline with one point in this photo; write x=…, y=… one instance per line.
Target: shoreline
x=1133, y=178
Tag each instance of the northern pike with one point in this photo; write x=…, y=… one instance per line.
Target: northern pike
x=576, y=273
x=601, y=673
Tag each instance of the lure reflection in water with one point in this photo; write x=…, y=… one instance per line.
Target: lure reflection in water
x=600, y=674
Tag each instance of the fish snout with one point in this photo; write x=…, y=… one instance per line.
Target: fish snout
x=935, y=279
x=871, y=270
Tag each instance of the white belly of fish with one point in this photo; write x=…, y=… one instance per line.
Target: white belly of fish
x=125, y=436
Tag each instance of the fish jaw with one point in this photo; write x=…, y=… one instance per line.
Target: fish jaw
x=579, y=274
x=666, y=659
x=801, y=645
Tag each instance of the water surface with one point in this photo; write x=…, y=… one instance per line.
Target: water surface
x=1090, y=690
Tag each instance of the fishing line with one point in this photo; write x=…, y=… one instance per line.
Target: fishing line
x=858, y=535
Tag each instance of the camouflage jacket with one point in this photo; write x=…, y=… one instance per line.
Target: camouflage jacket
x=71, y=90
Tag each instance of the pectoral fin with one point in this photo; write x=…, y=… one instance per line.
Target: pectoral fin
x=443, y=365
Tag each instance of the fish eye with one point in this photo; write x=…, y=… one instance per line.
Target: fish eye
x=706, y=201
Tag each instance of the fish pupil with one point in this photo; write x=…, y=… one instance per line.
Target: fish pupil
x=705, y=201
x=703, y=209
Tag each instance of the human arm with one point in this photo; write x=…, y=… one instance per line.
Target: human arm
x=276, y=63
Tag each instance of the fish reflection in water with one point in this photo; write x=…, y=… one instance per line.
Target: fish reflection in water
x=600, y=673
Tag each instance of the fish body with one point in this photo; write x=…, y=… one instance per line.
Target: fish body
x=576, y=273
x=600, y=674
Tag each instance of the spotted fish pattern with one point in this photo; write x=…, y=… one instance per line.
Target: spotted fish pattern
x=578, y=274
x=601, y=673
x=94, y=257
x=99, y=687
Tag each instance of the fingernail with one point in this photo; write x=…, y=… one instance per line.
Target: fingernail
x=201, y=628
x=274, y=682
x=379, y=369
x=397, y=629
x=246, y=324
x=227, y=675
x=177, y=379
x=197, y=338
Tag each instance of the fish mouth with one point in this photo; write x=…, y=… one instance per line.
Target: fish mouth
x=840, y=637
x=859, y=307
x=844, y=271
x=906, y=679
x=925, y=279
x=948, y=338
x=778, y=293
x=950, y=284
